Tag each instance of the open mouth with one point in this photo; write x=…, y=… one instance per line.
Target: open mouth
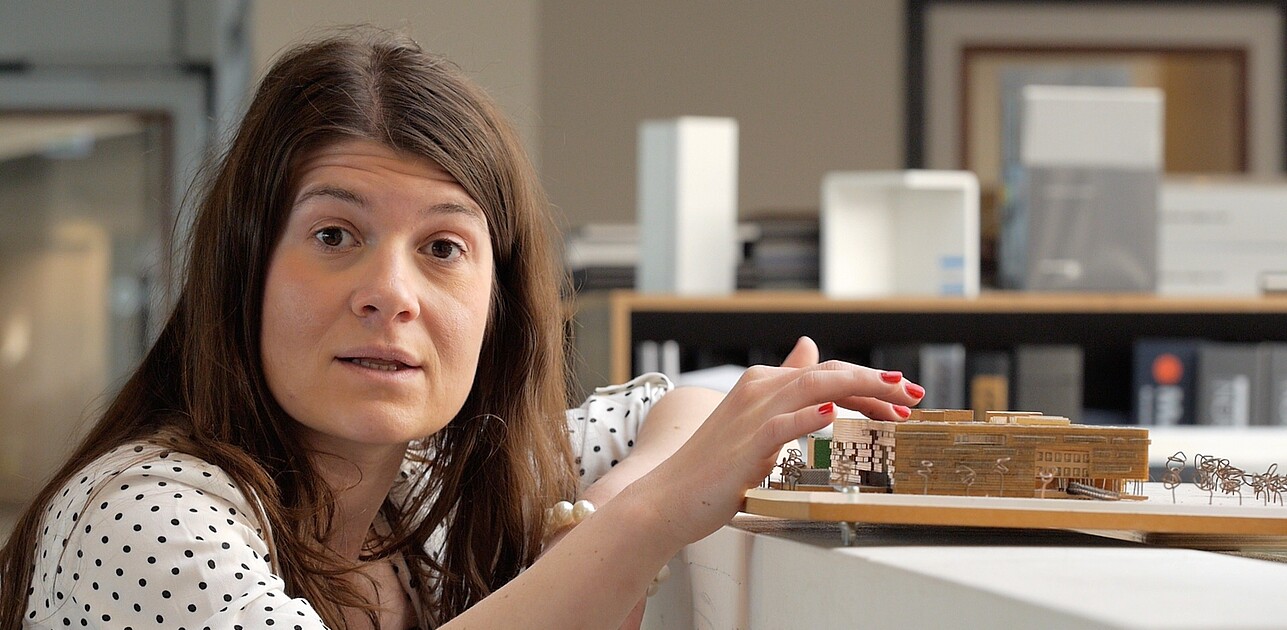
x=379, y=364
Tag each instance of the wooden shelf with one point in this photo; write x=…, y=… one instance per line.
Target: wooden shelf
x=989, y=302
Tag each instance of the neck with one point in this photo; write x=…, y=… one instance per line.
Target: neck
x=360, y=479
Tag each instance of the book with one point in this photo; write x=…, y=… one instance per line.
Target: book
x=1164, y=380
x=988, y=379
x=1273, y=400
x=943, y=375
x=1227, y=383
x=1048, y=379
x=938, y=367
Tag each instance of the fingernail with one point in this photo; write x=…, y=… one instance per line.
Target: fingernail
x=891, y=377
x=903, y=412
x=914, y=390
x=827, y=408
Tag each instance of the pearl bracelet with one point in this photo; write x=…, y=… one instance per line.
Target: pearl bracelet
x=565, y=514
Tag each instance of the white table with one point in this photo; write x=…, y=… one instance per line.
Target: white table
x=765, y=573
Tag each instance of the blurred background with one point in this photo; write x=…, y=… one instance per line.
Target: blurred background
x=108, y=107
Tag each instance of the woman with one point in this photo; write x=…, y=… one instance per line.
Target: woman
x=354, y=415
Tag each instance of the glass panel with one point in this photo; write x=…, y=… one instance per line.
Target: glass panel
x=84, y=227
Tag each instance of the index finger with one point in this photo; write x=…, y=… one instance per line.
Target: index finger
x=840, y=381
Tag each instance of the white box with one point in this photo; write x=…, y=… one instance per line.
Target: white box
x=1217, y=236
x=1095, y=127
x=688, y=206
x=900, y=233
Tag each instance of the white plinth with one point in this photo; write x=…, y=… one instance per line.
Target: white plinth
x=908, y=579
x=687, y=206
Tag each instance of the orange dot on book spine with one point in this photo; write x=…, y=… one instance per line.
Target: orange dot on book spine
x=1167, y=369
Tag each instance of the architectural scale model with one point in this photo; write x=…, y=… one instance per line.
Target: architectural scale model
x=947, y=468
x=1004, y=454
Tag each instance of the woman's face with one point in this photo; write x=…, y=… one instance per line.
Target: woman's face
x=376, y=298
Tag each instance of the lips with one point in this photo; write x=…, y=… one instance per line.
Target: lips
x=383, y=359
x=377, y=364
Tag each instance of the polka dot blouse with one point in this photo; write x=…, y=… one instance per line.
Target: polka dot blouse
x=145, y=537
x=604, y=427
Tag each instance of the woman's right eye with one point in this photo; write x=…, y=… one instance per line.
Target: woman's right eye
x=333, y=237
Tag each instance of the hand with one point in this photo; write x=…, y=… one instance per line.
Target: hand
x=702, y=485
x=804, y=354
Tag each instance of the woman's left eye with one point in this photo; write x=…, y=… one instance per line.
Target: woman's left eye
x=445, y=249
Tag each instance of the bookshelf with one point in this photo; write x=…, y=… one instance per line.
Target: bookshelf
x=760, y=326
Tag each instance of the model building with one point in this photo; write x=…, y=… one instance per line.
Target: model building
x=1010, y=454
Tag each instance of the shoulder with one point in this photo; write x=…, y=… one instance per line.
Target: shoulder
x=603, y=429
x=143, y=475
x=147, y=534
x=632, y=397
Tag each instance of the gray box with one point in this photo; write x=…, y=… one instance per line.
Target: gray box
x=1092, y=229
x=1048, y=379
x=1082, y=209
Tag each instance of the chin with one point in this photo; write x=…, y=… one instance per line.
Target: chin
x=364, y=428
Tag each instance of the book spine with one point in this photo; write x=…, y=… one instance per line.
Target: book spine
x=1165, y=381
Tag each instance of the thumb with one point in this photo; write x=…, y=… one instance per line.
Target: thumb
x=804, y=354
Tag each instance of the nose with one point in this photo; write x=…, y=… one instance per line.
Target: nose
x=386, y=288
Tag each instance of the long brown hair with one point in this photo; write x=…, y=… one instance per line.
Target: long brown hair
x=203, y=379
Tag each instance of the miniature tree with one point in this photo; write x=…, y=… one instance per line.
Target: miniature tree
x=967, y=476
x=1174, y=464
x=791, y=467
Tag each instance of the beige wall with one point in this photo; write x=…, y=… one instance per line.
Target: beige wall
x=494, y=41
x=815, y=85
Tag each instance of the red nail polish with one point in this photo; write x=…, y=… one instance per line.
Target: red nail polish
x=914, y=390
x=903, y=412
x=826, y=408
x=891, y=377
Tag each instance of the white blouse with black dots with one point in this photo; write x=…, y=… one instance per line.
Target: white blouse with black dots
x=145, y=537
x=604, y=427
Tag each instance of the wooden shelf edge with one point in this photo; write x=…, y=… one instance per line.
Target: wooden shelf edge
x=989, y=302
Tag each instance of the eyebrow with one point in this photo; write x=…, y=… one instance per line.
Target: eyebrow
x=353, y=198
x=342, y=194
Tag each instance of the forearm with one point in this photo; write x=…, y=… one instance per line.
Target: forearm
x=671, y=421
x=593, y=577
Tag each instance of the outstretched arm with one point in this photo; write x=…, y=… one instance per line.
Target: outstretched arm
x=594, y=576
